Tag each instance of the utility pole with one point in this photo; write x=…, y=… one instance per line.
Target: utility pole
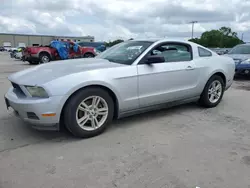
x=242, y=35
x=193, y=22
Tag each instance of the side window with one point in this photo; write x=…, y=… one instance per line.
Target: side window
x=82, y=44
x=203, y=52
x=174, y=52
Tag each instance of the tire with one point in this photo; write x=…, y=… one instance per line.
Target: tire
x=33, y=62
x=44, y=58
x=205, y=99
x=88, y=55
x=72, y=112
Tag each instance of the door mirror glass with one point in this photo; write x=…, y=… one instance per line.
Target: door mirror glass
x=155, y=59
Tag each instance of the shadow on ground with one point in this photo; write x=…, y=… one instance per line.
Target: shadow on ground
x=21, y=134
x=133, y=120
x=243, y=82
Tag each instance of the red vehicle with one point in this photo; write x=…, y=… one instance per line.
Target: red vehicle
x=45, y=54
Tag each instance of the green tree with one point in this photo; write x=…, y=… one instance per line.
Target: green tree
x=227, y=31
x=195, y=40
x=112, y=43
x=223, y=38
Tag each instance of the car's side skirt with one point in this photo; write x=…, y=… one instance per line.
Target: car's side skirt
x=157, y=107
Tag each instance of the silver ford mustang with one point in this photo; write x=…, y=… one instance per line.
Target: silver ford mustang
x=132, y=77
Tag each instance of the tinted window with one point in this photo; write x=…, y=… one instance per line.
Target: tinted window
x=174, y=52
x=240, y=49
x=203, y=52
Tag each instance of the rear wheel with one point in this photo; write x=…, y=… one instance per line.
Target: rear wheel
x=88, y=55
x=33, y=62
x=88, y=112
x=213, y=92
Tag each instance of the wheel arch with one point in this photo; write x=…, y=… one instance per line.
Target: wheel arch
x=203, y=97
x=88, y=52
x=221, y=74
x=218, y=73
x=44, y=52
x=110, y=91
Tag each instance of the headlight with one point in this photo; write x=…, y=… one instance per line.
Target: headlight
x=35, y=91
x=247, y=61
x=95, y=50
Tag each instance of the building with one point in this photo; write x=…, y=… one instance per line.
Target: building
x=23, y=40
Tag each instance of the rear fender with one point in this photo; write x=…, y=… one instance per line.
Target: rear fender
x=45, y=51
x=85, y=50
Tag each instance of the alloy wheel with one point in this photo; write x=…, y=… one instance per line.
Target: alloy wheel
x=214, y=91
x=45, y=59
x=92, y=113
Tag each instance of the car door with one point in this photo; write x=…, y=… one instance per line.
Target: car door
x=174, y=79
x=72, y=52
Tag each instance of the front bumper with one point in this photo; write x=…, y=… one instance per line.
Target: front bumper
x=31, y=110
x=242, y=69
x=30, y=57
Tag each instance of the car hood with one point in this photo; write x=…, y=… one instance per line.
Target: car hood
x=239, y=56
x=47, y=72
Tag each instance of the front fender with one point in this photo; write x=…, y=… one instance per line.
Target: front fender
x=67, y=85
x=242, y=66
x=93, y=83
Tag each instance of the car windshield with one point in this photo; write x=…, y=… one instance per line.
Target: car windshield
x=241, y=49
x=125, y=52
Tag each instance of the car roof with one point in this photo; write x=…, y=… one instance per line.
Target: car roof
x=159, y=40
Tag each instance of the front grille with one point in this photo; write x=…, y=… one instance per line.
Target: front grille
x=17, y=89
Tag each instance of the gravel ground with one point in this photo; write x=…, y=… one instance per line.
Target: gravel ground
x=181, y=147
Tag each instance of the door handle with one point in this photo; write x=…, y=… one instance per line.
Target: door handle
x=190, y=68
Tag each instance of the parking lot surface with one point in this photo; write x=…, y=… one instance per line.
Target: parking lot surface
x=182, y=147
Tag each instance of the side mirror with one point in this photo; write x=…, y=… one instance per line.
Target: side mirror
x=155, y=59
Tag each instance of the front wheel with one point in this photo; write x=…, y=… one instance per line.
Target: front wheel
x=88, y=112
x=213, y=92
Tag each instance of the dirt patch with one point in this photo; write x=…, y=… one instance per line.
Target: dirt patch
x=246, y=160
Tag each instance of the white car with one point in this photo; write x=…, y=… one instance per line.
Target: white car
x=129, y=78
x=18, y=55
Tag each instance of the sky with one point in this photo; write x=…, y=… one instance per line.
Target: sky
x=112, y=19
